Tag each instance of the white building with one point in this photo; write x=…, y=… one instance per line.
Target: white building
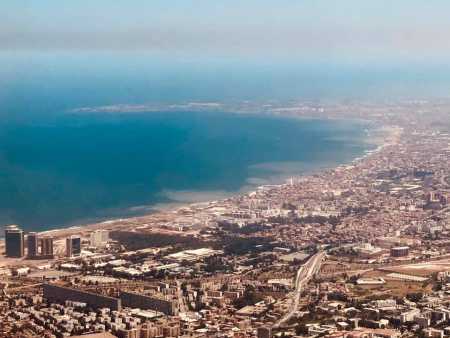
x=99, y=238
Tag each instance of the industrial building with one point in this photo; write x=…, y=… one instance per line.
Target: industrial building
x=400, y=251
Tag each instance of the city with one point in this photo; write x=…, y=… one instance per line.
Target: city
x=361, y=250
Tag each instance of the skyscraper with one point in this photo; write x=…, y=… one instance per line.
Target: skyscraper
x=46, y=247
x=73, y=246
x=32, y=244
x=14, y=241
x=99, y=238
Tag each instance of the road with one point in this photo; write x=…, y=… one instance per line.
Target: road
x=304, y=274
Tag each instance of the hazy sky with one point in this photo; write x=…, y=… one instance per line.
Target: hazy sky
x=346, y=30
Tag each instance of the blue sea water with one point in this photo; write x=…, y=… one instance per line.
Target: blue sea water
x=70, y=169
x=58, y=167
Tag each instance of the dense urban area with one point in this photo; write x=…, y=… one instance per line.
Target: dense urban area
x=361, y=250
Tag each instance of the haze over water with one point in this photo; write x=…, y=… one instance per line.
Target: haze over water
x=59, y=166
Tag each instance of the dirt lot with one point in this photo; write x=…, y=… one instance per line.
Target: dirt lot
x=425, y=269
x=395, y=288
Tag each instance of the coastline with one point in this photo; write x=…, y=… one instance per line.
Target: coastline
x=388, y=136
x=78, y=187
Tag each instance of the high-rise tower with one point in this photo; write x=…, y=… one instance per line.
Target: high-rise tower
x=73, y=246
x=32, y=245
x=14, y=241
x=46, y=247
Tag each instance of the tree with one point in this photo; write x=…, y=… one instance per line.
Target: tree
x=250, y=297
x=415, y=296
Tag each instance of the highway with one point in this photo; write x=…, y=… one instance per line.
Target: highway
x=304, y=274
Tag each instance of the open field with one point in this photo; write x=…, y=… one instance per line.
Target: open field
x=392, y=288
x=425, y=269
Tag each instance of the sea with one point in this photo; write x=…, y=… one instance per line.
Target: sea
x=65, y=162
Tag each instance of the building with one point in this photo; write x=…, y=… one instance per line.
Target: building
x=160, y=329
x=408, y=316
x=99, y=238
x=264, y=332
x=14, y=241
x=59, y=294
x=367, y=250
x=46, y=247
x=400, y=251
x=32, y=245
x=134, y=300
x=39, y=247
x=130, y=333
x=73, y=246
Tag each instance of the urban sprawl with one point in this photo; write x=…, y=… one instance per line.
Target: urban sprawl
x=360, y=250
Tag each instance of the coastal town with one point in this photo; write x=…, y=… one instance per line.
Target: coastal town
x=360, y=250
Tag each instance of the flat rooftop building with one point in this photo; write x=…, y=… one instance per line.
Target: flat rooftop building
x=60, y=294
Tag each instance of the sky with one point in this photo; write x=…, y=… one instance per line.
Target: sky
x=351, y=31
x=57, y=56
x=95, y=52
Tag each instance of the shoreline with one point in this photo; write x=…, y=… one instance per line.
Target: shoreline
x=387, y=134
x=250, y=176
